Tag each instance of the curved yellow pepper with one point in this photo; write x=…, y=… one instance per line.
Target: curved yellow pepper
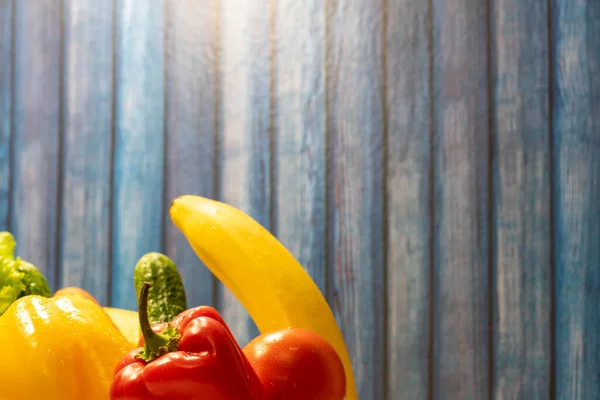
x=61, y=348
x=128, y=323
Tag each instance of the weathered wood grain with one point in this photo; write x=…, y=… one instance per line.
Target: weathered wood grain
x=408, y=90
x=300, y=133
x=245, y=126
x=576, y=136
x=6, y=85
x=86, y=153
x=355, y=80
x=37, y=86
x=139, y=141
x=461, y=300
x=191, y=128
x=316, y=118
x=521, y=200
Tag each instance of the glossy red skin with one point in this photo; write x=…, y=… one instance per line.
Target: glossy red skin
x=209, y=364
x=158, y=328
x=297, y=364
x=205, y=311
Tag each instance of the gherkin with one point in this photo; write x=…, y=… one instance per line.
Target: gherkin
x=167, y=294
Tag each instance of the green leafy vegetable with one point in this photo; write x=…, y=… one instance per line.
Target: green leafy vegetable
x=11, y=283
x=33, y=280
x=18, y=278
x=7, y=245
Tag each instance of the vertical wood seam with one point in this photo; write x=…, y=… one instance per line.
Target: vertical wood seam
x=58, y=272
x=328, y=157
x=553, y=187
x=216, y=128
x=11, y=125
x=166, y=202
x=491, y=225
x=385, y=194
x=432, y=216
x=113, y=131
x=273, y=170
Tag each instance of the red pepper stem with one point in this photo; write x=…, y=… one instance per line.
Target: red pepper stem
x=155, y=344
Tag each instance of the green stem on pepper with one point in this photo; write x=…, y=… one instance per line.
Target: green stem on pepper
x=155, y=344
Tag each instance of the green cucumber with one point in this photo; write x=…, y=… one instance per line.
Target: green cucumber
x=166, y=299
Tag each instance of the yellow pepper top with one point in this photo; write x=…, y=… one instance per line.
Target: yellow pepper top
x=61, y=348
x=128, y=323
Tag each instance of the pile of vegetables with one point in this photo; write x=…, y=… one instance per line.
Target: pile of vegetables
x=67, y=346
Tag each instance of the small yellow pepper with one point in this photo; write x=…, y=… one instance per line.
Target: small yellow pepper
x=60, y=348
x=128, y=323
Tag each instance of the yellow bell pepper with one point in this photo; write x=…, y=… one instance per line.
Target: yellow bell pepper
x=126, y=320
x=128, y=323
x=60, y=348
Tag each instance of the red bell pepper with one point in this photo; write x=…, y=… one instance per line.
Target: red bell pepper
x=194, y=357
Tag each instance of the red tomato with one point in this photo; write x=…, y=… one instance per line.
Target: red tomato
x=297, y=364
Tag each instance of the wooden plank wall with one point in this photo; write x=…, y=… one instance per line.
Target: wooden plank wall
x=435, y=165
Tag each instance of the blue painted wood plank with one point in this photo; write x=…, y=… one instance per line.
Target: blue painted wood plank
x=35, y=188
x=576, y=137
x=521, y=207
x=244, y=98
x=87, y=136
x=356, y=185
x=299, y=95
x=139, y=141
x=461, y=292
x=6, y=87
x=191, y=127
x=408, y=198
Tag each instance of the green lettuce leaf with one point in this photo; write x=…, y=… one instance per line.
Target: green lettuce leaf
x=11, y=283
x=18, y=278
x=32, y=279
x=7, y=246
